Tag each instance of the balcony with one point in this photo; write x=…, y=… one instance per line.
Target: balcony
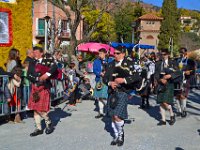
x=65, y=34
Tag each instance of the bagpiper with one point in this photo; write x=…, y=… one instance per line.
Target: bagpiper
x=166, y=73
x=120, y=78
x=187, y=66
x=39, y=73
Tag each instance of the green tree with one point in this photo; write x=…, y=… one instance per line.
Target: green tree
x=170, y=26
x=124, y=17
x=186, y=29
x=105, y=28
x=138, y=10
x=76, y=7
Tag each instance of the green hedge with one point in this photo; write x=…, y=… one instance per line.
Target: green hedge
x=21, y=27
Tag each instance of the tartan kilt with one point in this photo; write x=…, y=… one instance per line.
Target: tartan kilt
x=167, y=96
x=121, y=107
x=103, y=93
x=43, y=105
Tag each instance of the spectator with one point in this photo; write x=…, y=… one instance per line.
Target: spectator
x=29, y=55
x=26, y=84
x=12, y=60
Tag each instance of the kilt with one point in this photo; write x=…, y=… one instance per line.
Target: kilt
x=103, y=93
x=167, y=96
x=146, y=90
x=121, y=108
x=43, y=105
x=182, y=89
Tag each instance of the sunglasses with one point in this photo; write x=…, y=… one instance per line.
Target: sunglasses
x=117, y=53
x=164, y=54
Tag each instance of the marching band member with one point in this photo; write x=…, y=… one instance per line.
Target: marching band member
x=148, y=69
x=120, y=77
x=166, y=72
x=40, y=91
x=187, y=66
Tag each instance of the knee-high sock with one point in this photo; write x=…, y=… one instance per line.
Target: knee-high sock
x=101, y=106
x=119, y=126
x=38, y=122
x=162, y=112
x=184, y=101
x=170, y=110
x=178, y=102
x=115, y=129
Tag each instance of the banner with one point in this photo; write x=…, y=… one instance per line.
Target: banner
x=8, y=1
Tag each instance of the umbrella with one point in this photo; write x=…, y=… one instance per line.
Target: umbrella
x=95, y=47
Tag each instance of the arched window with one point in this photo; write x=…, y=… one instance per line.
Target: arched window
x=150, y=37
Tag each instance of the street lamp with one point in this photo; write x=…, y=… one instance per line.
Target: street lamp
x=46, y=18
x=133, y=30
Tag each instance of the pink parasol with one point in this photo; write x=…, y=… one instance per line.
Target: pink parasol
x=95, y=47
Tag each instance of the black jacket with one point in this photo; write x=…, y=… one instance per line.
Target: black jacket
x=33, y=76
x=172, y=65
x=131, y=76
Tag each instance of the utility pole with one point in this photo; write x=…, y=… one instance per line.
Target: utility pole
x=53, y=29
x=46, y=27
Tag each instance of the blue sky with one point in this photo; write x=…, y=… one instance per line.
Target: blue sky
x=189, y=4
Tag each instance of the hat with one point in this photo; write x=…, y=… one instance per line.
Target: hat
x=121, y=49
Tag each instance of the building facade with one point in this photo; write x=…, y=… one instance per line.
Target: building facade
x=148, y=29
x=58, y=28
x=15, y=28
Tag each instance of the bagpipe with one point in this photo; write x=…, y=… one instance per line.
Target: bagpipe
x=42, y=69
x=177, y=78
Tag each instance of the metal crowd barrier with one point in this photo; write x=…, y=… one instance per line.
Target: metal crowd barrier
x=20, y=105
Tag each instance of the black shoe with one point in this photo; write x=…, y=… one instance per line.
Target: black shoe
x=120, y=140
x=172, y=120
x=142, y=107
x=161, y=123
x=114, y=142
x=178, y=114
x=99, y=116
x=184, y=114
x=49, y=129
x=36, y=132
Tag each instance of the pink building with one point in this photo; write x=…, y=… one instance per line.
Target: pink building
x=57, y=24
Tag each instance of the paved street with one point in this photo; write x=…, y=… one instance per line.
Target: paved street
x=79, y=130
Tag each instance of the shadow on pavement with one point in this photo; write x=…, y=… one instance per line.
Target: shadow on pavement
x=134, y=100
x=153, y=111
x=179, y=148
x=57, y=114
x=198, y=131
x=195, y=97
x=108, y=127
